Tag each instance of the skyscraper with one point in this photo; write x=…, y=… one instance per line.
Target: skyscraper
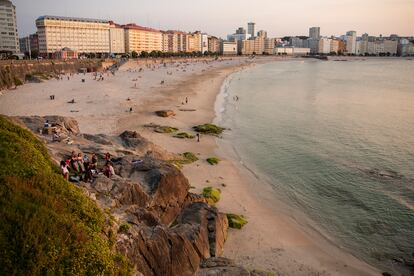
x=250, y=29
x=9, y=38
x=315, y=32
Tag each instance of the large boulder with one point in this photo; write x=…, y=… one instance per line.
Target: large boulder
x=165, y=113
x=178, y=250
x=63, y=125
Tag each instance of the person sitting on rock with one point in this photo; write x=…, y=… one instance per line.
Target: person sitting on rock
x=47, y=125
x=109, y=169
x=107, y=157
x=64, y=169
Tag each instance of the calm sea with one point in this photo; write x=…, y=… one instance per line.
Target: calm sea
x=336, y=140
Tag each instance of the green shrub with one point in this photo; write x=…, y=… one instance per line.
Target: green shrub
x=236, y=221
x=211, y=194
x=17, y=81
x=213, y=161
x=47, y=225
x=124, y=228
x=184, y=135
x=209, y=129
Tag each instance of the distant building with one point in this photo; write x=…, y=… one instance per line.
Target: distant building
x=229, y=48
x=314, y=32
x=253, y=46
x=204, y=43
x=174, y=41
x=334, y=48
x=269, y=46
x=241, y=30
x=9, y=38
x=262, y=34
x=79, y=34
x=29, y=44
x=324, y=45
x=251, y=29
x=312, y=44
x=292, y=51
x=351, y=42
x=296, y=42
x=116, y=38
x=213, y=44
x=65, y=53
x=406, y=49
x=140, y=39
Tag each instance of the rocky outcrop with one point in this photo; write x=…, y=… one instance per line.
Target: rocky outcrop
x=165, y=113
x=59, y=124
x=198, y=234
x=162, y=228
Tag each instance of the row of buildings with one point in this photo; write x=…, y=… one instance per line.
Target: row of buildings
x=351, y=44
x=81, y=35
x=106, y=37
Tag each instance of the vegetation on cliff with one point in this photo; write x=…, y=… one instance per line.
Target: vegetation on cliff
x=47, y=225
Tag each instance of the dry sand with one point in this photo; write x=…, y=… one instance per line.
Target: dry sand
x=276, y=238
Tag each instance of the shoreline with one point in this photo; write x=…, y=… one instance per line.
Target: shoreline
x=272, y=240
x=296, y=252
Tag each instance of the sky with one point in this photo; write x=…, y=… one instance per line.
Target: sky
x=222, y=17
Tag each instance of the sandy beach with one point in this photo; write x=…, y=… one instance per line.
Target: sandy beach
x=275, y=239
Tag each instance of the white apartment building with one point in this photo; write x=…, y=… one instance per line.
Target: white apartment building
x=9, y=38
x=204, y=43
x=229, y=48
x=324, y=46
x=78, y=34
x=292, y=51
x=116, y=38
x=351, y=42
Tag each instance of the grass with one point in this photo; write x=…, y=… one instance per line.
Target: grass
x=209, y=129
x=213, y=161
x=47, y=225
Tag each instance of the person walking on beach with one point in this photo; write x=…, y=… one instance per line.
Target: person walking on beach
x=186, y=100
x=198, y=137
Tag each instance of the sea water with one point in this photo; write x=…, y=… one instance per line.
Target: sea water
x=336, y=141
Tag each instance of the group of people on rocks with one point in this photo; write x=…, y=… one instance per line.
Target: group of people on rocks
x=79, y=167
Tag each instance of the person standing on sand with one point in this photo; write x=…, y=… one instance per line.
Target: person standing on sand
x=186, y=100
x=198, y=137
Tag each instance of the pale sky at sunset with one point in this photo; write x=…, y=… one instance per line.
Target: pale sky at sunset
x=220, y=17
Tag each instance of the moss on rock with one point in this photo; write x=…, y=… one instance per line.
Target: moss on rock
x=211, y=194
x=184, y=135
x=213, y=161
x=165, y=129
x=209, y=129
x=236, y=221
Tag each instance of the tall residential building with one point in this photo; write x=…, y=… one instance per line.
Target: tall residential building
x=253, y=46
x=9, y=38
x=296, y=42
x=116, y=38
x=250, y=29
x=204, y=43
x=213, y=44
x=315, y=32
x=351, y=42
x=240, y=30
x=140, y=39
x=78, y=34
x=269, y=46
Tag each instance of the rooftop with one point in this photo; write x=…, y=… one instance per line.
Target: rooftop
x=134, y=26
x=78, y=19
